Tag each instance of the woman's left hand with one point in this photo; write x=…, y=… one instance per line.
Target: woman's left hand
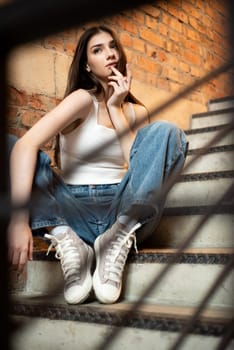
x=119, y=87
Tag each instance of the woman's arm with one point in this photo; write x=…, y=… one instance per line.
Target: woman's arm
x=22, y=169
x=119, y=88
x=124, y=128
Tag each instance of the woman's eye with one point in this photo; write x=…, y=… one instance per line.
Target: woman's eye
x=97, y=50
x=113, y=46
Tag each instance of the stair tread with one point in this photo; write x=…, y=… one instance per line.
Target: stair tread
x=189, y=250
x=213, y=112
x=158, y=255
x=40, y=245
x=207, y=129
x=148, y=309
x=222, y=99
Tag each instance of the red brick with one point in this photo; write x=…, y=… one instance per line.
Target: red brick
x=152, y=37
x=178, y=13
x=129, y=26
x=126, y=39
x=191, y=57
x=138, y=45
x=149, y=65
x=162, y=29
x=13, y=115
x=16, y=97
x=70, y=47
x=137, y=16
x=41, y=102
x=56, y=43
x=29, y=118
x=171, y=22
x=151, y=10
x=151, y=22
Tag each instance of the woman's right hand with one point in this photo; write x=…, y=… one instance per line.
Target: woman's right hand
x=20, y=244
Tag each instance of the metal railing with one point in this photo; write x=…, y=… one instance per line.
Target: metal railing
x=20, y=22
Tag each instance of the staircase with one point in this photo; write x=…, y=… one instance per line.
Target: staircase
x=45, y=321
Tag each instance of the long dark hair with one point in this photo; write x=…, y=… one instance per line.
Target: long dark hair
x=79, y=77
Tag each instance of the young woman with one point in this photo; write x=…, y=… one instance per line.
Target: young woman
x=113, y=164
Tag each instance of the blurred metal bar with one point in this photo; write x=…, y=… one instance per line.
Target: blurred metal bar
x=227, y=337
x=4, y=300
x=26, y=20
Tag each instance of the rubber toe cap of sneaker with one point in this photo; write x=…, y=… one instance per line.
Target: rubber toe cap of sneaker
x=76, y=294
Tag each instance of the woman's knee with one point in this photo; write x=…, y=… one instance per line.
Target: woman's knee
x=165, y=126
x=170, y=133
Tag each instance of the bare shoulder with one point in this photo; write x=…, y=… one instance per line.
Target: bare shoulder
x=80, y=97
x=79, y=104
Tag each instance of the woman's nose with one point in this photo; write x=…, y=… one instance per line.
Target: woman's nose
x=110, y=53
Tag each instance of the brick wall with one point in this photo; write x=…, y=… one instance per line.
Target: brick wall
x=169, y=44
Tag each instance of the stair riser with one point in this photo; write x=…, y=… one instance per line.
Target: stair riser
x=210, y=162
x=59, y=335
x=184, y=285
x=197, y=193
x=203, y=139
x=217, y=232
x=212, y=120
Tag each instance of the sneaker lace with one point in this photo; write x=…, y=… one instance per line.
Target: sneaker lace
x=118, y=252
x=68, y=254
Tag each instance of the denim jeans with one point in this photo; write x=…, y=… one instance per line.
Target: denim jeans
x=158, y=152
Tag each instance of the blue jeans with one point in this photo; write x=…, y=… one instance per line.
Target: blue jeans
x=158, y=152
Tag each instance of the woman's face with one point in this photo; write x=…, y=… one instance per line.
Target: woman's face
x=102, y=54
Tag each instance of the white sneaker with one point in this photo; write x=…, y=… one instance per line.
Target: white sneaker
x=76, y=261
x=111, y=248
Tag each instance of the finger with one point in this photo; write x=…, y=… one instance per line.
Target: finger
x=15, y=260
x=114, y=85
x=113, y=77
x=118, y=79
x=22, y=261
x=19, y=259
x=30, y=250
x=116, y=72
x=128, y=73
x=118, y=83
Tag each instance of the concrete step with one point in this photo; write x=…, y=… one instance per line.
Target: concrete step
x=212, y=118
x=215, y=159
x=221, y=103
x=199, y=189
x=199, y=138
x=52, y=325
x=185, y=284
x=176, y=225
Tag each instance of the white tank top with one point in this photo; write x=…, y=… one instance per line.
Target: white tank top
x=103, y=166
